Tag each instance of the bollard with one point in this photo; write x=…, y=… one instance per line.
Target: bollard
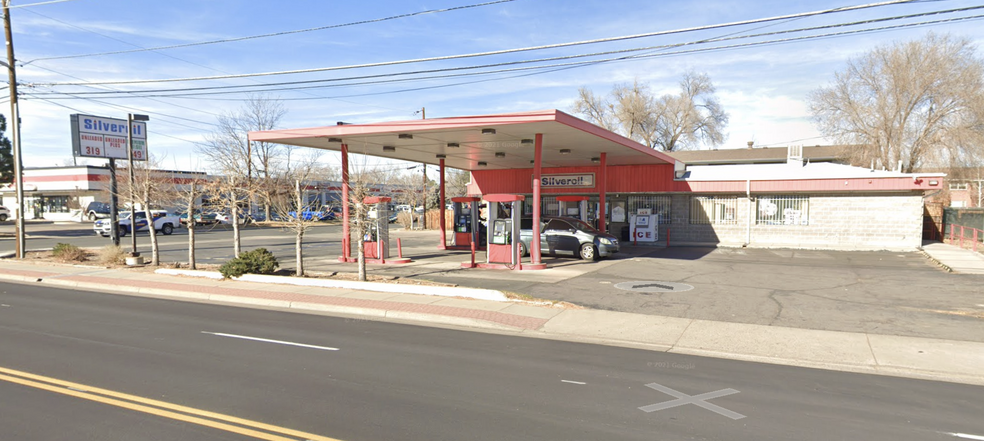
x=473, y=254
x=519, y=260
x=399, y=247
x=382, y=251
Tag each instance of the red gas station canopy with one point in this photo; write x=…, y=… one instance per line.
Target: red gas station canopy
x=571, y=198
x=485, y=142
x=503, y=197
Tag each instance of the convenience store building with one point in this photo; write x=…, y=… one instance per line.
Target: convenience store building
x=543, y=155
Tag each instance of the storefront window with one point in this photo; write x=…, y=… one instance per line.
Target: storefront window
x=660, y=205
x=783, y=210
x=713, y=210
x=58, y=204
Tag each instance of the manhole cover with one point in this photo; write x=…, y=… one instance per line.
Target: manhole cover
x=651, y=286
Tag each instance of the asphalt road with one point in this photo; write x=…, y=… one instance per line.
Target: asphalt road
x=355, y=379
x=213, y=243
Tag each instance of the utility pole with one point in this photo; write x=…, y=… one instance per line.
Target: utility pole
x=15, y=132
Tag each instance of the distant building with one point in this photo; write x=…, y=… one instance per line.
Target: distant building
x=761, y=155
x=61, y=193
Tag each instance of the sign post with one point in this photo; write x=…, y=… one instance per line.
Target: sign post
x=111, y=138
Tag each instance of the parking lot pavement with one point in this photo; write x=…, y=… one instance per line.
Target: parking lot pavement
x=896, y=293
x=873, y=292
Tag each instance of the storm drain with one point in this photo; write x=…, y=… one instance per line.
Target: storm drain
x=650, y=286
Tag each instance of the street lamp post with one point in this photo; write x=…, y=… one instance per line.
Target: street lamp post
x=130, y=118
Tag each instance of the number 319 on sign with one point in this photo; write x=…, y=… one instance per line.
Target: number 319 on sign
x=96, y=151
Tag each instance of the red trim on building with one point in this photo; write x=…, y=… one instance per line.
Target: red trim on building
x=659, y=179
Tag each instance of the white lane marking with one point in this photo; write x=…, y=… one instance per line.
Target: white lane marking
x=265, y=340
x=572, y=382
x=5, y=306
x=967, y=436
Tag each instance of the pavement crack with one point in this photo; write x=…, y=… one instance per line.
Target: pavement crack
x=772, y=296
x=867, y=338
x=677, y=341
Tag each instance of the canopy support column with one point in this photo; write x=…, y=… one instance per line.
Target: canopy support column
x=602, y=188
x=443, y=207
x=537, y=159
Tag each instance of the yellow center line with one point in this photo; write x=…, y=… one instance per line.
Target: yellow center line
x=160, y=408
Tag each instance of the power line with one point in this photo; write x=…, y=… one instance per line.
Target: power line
x=275, y=34
x=498, y=52
x=219, y=90
x=39, y=4
x=88, y=83
x=121, y=91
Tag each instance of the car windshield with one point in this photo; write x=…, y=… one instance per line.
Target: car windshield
x=583, y=226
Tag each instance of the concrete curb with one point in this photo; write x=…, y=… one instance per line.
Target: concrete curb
x=880, y=355
x=225, y=299
x=472, y=293
x=937, y=262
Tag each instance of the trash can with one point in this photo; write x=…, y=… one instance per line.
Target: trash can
x=625, y=233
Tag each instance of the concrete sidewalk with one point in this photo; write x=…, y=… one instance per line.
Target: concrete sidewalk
x=953, y=258
x=949, y=360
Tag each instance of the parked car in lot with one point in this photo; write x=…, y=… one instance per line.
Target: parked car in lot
x=393, y=215
x=164, y=222
x=97, y=210
x=225, y=218
x=200, y=219
x=318, y=215
x=567, y=235
x=4, y=213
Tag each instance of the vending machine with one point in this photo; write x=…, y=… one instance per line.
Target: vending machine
x=644, y=226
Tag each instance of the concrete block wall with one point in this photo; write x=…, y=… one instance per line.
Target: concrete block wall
x=860, y=222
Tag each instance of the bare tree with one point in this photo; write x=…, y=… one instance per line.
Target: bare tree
x=253, y=167
x=909, y=104
x=457, y=183
x=670, y=122
x=365, y=180
x=692, y=117
x=292, y=207
x=153, y=189
x=595, y=109
x=407, y=188
x=190, y=195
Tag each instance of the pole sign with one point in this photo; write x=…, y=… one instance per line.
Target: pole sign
x=100, y=137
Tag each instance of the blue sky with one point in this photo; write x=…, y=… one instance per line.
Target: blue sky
x=764, y=88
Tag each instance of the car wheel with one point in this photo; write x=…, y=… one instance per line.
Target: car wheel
x=522, y=250
x=92, y=217
x=167, y=229
x=3, y=217
x=123, y=231
x=588, y=252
